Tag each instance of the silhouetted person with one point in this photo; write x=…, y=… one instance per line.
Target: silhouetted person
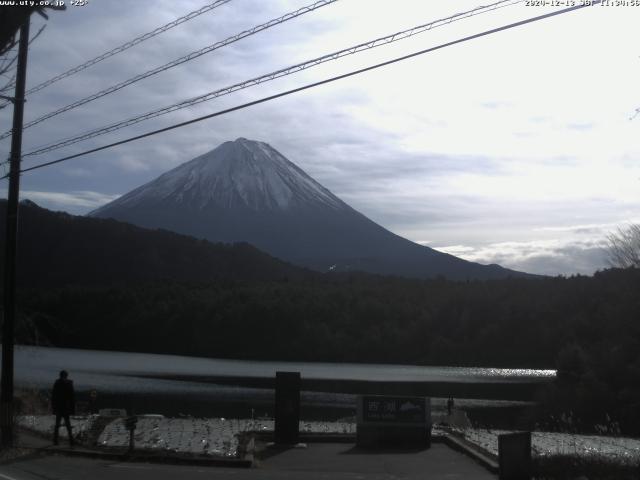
x=450, y=405
x=63, y=404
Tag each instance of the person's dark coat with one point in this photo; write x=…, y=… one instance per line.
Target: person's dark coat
x=62, y=397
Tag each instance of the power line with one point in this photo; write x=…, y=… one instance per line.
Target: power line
x=124, y=46
x=272, y=76
x=311, y=85
x=129, y=44
x=178, y=61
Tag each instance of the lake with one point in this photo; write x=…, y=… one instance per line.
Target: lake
x=157, y=382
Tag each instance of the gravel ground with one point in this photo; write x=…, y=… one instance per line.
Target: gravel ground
x=208, y=436
x=219, y=436
x=204, y=436
x=80, y=425
x=545, y=444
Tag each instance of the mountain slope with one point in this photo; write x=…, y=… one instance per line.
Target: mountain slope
x=57, y=249
x=247, y=191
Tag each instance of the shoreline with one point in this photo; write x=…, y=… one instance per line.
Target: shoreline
x=260, y=402
x=514, y=390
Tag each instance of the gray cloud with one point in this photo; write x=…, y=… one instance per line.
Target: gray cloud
x=540, y=257
x=582, y=127
x=495, y=104
x=77, y=202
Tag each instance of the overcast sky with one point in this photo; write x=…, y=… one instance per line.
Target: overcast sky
x=518, y=148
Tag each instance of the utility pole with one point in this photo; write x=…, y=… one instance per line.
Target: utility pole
x=6, y=383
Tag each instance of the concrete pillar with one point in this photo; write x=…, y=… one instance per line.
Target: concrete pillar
x=287, y=411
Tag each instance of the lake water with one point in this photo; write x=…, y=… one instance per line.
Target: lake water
x=121, y=374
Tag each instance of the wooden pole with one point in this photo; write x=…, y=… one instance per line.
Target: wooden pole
x=6, y=383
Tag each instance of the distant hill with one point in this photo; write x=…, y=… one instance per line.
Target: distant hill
x=247, y=191
x=58, y=249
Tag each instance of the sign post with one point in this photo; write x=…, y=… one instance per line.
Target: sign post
x=386, y=420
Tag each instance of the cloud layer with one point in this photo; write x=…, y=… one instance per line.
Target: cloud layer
x=550, y=257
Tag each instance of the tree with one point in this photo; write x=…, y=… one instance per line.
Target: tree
x=8, y=60
x=11, y=19
x=623, y=247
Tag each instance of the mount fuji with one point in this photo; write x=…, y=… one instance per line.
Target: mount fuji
x=247, y=191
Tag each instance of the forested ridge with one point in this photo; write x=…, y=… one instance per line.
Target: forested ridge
x=499, y=323
x=55, y=248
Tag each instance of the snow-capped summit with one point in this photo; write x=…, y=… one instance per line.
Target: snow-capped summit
x=247, y=191
x=239, y=174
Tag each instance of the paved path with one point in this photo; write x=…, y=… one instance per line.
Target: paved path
x=317, y=462
x=325, y=460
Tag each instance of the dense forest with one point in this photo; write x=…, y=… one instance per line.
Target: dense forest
x=506, y=323
x=235, y=307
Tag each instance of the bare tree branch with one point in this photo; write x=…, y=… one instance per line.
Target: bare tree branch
x=8, y=58
x=7, y=63
x=623, y=247
x=40, y=30
x=9, y=46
